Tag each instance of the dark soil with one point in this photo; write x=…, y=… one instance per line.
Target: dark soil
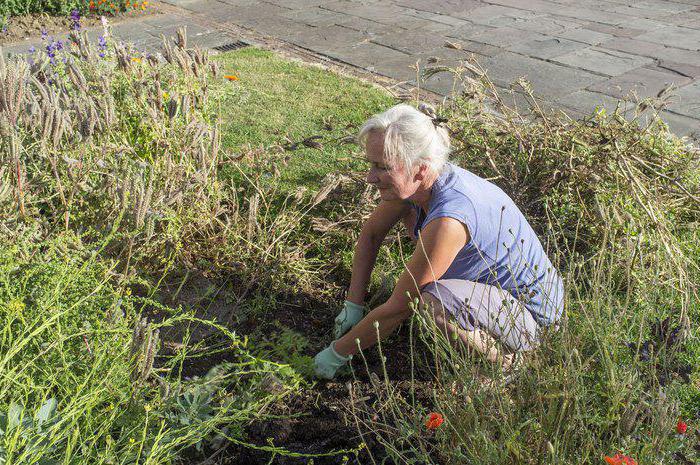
x=20, y=28
x=317, y=420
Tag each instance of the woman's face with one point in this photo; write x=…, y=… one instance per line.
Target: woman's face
x=393, y=182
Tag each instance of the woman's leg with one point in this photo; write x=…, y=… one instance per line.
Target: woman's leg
x=475, y=339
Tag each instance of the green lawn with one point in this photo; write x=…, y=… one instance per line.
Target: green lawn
x=275, y=101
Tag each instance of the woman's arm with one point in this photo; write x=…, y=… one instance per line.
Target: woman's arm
x=439, y=244
x=375, y=229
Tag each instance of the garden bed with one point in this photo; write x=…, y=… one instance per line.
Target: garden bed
x=19, y=28
x=212, y=204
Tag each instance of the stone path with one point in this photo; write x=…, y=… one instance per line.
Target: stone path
x=577, y=54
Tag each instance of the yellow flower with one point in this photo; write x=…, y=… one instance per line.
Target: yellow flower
x=136, y=59
x=165, y=95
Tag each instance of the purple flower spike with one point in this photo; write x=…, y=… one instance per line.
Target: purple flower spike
x=75, y=16
x=44, y=34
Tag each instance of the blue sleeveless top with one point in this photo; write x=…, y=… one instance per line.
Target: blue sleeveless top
x=503, y=249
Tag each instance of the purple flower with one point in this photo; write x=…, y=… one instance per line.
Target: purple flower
x=44, y=34
x=32, y=49
x=75, y=16
x=102, y=45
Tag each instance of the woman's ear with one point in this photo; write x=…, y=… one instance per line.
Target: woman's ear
x=421, y=172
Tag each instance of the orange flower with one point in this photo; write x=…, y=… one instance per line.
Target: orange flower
x=231, y=77
x=681, y=427
x=111, y=5
x=620, y=459
x=92, y=5
x=434, y=421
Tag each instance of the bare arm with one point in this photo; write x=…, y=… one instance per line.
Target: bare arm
x=438, y=246
x=375, y=229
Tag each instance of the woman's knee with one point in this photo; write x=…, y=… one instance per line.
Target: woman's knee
x=432, y=306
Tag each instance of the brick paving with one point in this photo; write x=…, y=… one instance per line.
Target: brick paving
x=577, y=54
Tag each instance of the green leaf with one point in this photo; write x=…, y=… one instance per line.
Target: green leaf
x=46, y=412
x=14, y=416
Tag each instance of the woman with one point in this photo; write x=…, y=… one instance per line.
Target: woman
x=478, y=266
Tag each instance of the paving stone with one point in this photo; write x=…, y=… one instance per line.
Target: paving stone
x=687, y=101
x=415, y=41
x=209, y=40
x=604, y=17
x=674, y=36
x=438, y=18
x=683, y=69
x=547, y=48
x=296, y=4
x=587, y=102
x=586, y=36
x=206, y=6
x=486, y=14
x=505, y=36
x=548, y=79
x=314, y=16
x=366, y=26
x=303, y=34
x=635, y=47
x=333, y=38
x=443, y=7
x=380, y=13
x=664, y=5
x=607, y=62
x=403, y=67
x=635, y=12
x=468, y=31
x=683, y=126
x=479, y=48
x=364, y=54
x=615, y=30
x=643, y=24
x=240, y=2
x=641, y=82
x=541, y=24
x=689, y=19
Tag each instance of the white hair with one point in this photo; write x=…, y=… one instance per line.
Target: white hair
x=410, y=137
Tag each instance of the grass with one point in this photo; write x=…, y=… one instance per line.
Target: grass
x=307, y=101
x=178, y=174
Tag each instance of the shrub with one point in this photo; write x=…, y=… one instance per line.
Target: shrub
x=9, y=8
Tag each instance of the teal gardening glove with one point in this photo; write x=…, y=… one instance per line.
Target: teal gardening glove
x=328, y=361
x=349, y=316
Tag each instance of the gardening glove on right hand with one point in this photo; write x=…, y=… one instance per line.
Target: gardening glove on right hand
x=349, y=316
x=328, y=361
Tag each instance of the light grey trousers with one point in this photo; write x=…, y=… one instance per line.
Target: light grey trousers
x=488, y=308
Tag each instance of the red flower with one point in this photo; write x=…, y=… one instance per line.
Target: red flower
x=681, y=427
x=434, y=421
x=620, y=459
